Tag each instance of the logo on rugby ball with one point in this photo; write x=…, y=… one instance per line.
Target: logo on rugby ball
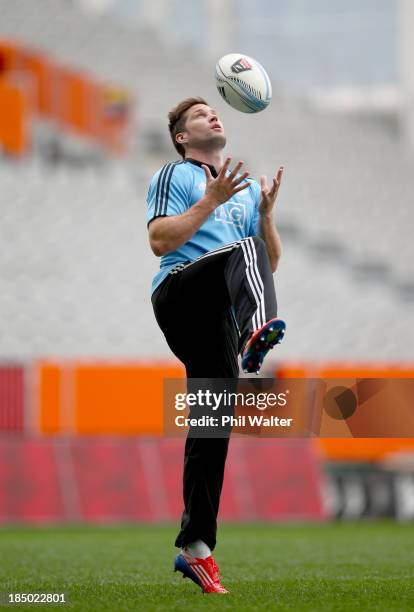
x=241, y=66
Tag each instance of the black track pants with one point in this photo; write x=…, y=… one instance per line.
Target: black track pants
x=207, y=310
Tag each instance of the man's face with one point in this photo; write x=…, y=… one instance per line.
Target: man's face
x=203, y=129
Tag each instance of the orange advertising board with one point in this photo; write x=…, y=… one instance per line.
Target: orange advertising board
x=101, y=398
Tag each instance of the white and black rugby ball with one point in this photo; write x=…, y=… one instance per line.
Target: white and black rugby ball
x=243, y=83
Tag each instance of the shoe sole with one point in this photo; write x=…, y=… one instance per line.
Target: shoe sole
x=181, y=565
x=267, y=339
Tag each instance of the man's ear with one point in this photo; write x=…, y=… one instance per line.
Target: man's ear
x=181, y=138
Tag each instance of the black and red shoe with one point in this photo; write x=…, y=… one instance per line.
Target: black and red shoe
x=260, y=344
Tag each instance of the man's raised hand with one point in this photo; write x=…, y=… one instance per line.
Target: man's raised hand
x=269, y=194
x=224, y=186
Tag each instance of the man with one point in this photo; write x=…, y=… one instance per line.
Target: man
x=213, y=296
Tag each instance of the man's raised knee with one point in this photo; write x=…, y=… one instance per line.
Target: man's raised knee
x=258, y=242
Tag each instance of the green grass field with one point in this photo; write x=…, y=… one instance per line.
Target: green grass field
x=310, y=567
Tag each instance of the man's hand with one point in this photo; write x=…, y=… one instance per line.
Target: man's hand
x=269, y=196
x=267, y=228
x=223, y=187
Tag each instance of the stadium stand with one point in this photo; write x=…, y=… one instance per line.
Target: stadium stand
x=76, y=271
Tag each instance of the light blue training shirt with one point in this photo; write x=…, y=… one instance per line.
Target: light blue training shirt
x=179, y=185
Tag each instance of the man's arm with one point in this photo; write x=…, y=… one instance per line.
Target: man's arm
x=270, y=235
x=168, y=233
x=267, y=227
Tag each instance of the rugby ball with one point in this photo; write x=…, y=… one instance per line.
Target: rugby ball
x=243, y=83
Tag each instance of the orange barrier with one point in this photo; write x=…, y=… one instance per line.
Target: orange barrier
x=15, y=113
x=41, y=70
x=74, y=100
x=9, y=54
x=49, y=398
x=126, y=398
x=93, y=109
x=338, y=370
x=101, y=398
x=353, y=449
x=363, y=449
